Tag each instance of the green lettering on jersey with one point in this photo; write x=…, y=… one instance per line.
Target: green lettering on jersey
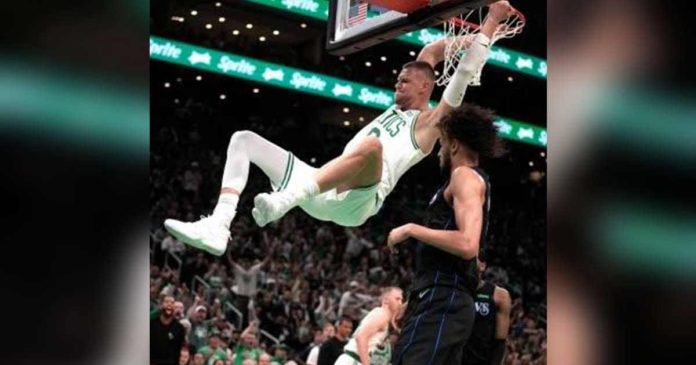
x=392, y=124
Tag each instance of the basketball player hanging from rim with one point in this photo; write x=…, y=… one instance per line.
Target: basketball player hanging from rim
x=350, y=188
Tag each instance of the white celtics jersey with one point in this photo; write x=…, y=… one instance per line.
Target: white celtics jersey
x=378, y=345
x=396, y=131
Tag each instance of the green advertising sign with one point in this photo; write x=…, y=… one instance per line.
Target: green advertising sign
x=304, y=81
x=498, y=56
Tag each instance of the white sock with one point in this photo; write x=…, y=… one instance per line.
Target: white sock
x=226, y=208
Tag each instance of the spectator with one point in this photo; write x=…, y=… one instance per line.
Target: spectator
x=166, y=336
x=184, y=356
x=200, y=326
x=246, y=280
x=248, y=347
x=325, y=334
x=214, y=349
x=333, y=348
x=198, y=359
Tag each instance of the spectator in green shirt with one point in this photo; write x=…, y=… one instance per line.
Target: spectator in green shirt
x=213, y=350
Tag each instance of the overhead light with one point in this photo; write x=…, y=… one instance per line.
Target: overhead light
x=341, y=58
x=199, y=78
x=437, y=73
x=368, y=64
x=303, y=25
x=346, y=110
x=384, y=59
x=275, y=32
x=176, y=101
x=361, y=119
x=346, y=123
x=256, y=90
x=166, y=84
x=412, y=53
x=510, y=78
x=262, y=38
x=179, y=19
x=194, y=13
x=313, y=160
x=394, y=71
x=235, y=32
x=249, y=26
x=531, y=163
x=222, y=96
x=543, y=154
x=218, y=4
x=178, y=79
x=208, y=26
x=221, y=19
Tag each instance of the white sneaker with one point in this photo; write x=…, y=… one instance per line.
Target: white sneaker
x=271, y=207
x=207, y=234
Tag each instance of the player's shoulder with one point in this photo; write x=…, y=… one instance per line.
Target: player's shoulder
x=466, y=175
x=501, y=295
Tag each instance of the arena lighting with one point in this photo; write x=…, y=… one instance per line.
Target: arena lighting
x=218, y=4
x=368, y=64
x=235, y=32
x=176, y=101
x=208, y=26
x=346, y=110
x=166, y=84
x=249, y=26
x=199, y=78
x=275, y=32
x=531, y=163
x=194, y=13
x=499, y=57
x=303, y=25
x=543, y=154
x=412, y=53
x=255, y=90
x=262, y=38
x=221, y=19
x=223, y=96
x=384, y=59
x=510, y=78
x=298, y=80
x=361, y=119
x=346, y=123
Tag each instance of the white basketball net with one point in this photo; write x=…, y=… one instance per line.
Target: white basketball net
x=460, y=30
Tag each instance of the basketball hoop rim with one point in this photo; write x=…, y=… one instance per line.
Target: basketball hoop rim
x=461, y=23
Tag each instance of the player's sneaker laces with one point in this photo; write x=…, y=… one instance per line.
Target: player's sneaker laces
x=207, y=234
x=271, y=207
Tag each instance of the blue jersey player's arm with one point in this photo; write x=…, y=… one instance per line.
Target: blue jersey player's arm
x=468, y=191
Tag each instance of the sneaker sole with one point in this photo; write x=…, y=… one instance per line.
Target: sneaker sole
x=191, y=242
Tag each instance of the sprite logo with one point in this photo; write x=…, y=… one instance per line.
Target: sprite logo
x=168, y=49
x=307, y=5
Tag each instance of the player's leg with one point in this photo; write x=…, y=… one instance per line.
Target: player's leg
x=212, y=233
x=362, y=166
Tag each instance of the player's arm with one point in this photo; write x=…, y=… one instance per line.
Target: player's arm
x=467, y=200
x=371, y=324
x=503, y=303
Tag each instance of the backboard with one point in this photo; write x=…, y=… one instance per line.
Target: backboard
x=358, y=24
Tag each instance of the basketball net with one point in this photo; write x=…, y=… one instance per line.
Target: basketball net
x=460, y=30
